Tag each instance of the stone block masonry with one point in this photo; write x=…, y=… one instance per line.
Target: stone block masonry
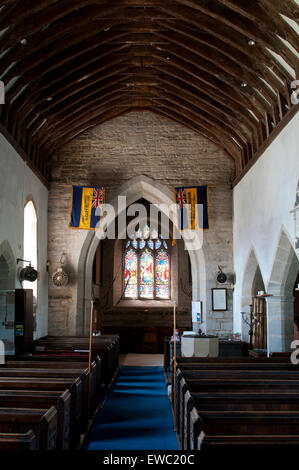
x=110, y=155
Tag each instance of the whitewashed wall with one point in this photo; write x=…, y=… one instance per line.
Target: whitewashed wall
x=262, y=203
x=17, y=184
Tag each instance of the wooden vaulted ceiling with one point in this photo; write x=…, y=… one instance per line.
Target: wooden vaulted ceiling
x=223, y=68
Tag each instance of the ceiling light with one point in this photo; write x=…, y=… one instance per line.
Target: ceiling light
x=243, y=84
x=50, y=98
x=251, y=42
x=168, y=58
x=106, y=29
x=24, y=42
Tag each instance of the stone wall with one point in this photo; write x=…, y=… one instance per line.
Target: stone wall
x=18, y=184
x=112, y=154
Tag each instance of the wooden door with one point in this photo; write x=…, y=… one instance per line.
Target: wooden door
x=259, y=340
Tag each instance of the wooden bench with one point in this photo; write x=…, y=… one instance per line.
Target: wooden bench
x=43, y=399
x=259, y=403
x=243, y=422
x=34, y=363
x=41, y=421
x=238, y=401
x=54, y=384
x=107, y=347
x=231, y=444
x=199, y=440
x=17, y=441
x=229, y=385
x=53, y=374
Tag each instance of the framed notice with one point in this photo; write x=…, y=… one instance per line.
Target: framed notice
x=196, y=312
x=219, y=299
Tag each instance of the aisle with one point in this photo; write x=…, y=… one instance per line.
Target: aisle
x=136, y=415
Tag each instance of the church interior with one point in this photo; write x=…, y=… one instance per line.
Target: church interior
x=124, y=331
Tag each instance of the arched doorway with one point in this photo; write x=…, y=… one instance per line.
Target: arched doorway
x=154, y=193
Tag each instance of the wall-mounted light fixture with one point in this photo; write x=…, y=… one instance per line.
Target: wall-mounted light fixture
x=28, y=273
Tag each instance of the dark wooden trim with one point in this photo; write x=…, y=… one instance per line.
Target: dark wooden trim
x=274, y=134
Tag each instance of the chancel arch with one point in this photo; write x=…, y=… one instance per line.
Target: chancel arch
x=137, y=188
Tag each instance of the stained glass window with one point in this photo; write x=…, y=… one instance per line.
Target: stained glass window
x=131, y=285
x=162, y=274
x=146, y=275
x=151, y=244
x=141, y=244
x=146, y=266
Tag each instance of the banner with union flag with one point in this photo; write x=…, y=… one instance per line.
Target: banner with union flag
x=191, y=215
x=86, y=208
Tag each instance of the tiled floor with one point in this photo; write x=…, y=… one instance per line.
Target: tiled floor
x=141, y=360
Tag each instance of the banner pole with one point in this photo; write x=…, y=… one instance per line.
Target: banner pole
x=174, y=364
x=89, y=354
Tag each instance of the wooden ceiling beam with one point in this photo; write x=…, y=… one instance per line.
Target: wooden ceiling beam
x=194, y=73
x=225, y=31
x=66, y=71
x=254, y=60
x=85, y=94
x=155, y=94
x=72, y=12
x=266, y=19
x=239, y=73
x=259, y=29
x=84, y=62
x=288, y=8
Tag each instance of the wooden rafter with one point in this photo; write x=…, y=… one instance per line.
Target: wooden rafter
x=222, y=68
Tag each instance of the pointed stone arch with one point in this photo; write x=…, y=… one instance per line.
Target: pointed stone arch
x=252, y=283
x=7, y=266
x=137, y=188
x=281, y=303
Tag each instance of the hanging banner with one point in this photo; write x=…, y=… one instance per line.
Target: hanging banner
x=193, y=207
x=86, y=210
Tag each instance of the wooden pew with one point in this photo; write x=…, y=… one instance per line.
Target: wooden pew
x=17, y=441
x=234, y=360
x=238, y=366
x=226, y=384
x=56, y=384
x=259, y=405
x=199, y=440
x=42, y=422
x=105, y=346
x=56, y=373
x=43, y=399
x=271, y=392
x=34, y=363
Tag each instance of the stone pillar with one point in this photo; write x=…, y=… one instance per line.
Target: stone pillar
x=280, y=323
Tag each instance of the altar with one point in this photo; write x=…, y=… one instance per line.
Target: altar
x=195, y=345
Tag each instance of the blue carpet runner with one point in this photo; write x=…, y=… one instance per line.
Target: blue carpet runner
x=136, y=415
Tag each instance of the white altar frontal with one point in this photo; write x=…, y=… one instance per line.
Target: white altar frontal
x=199, y=346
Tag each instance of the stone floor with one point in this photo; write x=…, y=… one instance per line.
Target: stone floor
x=141, y=360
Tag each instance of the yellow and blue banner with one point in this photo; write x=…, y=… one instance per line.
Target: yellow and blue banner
x=193, y=208
x=86, y=208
